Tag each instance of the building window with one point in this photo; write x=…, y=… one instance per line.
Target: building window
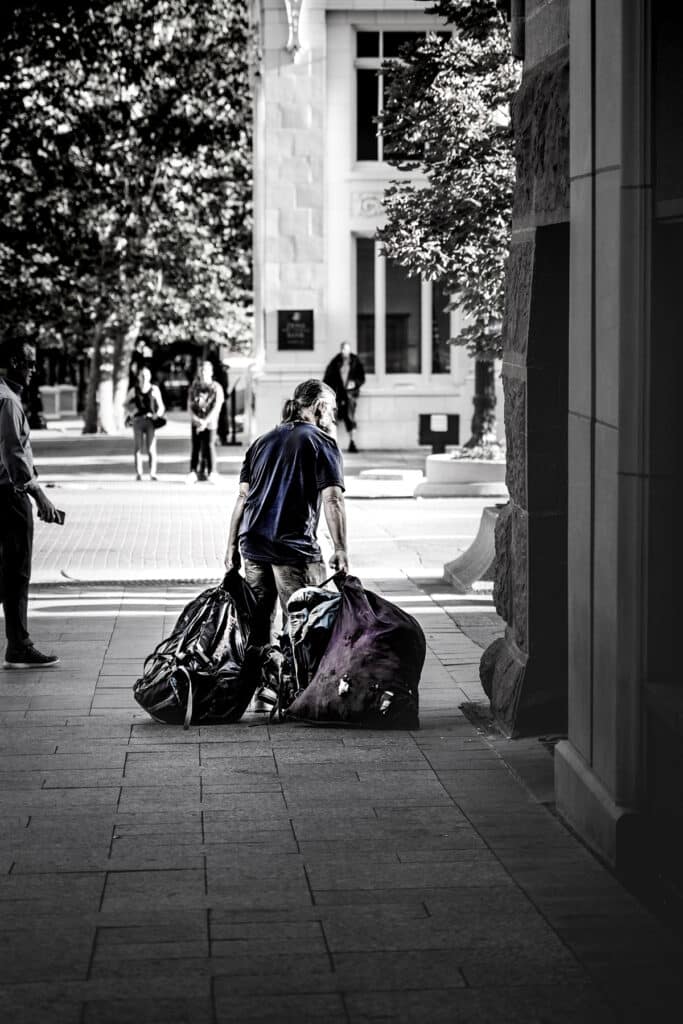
x=367, y=103
x=402, y=323
x=372, y=49
x=403, y=320
x=365, y=302
x=441, y=329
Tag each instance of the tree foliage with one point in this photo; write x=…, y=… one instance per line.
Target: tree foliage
x=125, y=173
x=447, y=116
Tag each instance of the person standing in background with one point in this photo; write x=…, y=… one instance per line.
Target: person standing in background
x=17, y=482
x=145, y=406
x=345, y=375
x=204, y=403
x=140, y=357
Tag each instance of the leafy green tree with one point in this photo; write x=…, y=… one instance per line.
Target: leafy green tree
x=447, y=116
x=125, y=179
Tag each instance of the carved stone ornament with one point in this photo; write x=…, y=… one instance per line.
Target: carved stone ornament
x=367, y=204
x=293, y=15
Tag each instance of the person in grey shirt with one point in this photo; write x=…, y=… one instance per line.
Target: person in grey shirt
x=18, y=482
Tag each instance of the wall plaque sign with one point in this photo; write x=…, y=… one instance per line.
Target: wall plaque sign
x=295, y=329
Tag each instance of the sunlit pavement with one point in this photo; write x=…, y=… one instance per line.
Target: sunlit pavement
x=277, y=873
x=120, y=529
x=274, y=873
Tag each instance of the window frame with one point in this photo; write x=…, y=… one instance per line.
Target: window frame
x=381, y=375
x=375, y=64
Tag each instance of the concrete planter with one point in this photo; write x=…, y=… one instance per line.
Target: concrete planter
x=478, y=561
x=448, y=477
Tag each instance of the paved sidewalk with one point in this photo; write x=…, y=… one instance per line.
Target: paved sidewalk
x=258, y=873
x=64, y=455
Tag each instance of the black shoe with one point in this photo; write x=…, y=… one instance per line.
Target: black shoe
x=29, y=658
x=352, y=448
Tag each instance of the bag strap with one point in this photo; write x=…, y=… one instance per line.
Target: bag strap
x=190, y=699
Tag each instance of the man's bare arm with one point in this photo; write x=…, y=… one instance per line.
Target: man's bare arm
x=46, y=510
x=335, y=517
x=232, y=553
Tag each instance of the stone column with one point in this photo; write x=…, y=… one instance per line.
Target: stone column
x=623, y=753
x=525, y=673
x=289, y=193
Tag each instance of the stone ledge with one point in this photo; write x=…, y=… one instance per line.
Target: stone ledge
x=472, y=490
x=448, y=477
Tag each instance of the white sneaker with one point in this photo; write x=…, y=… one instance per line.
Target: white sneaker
x=213, y=478
x=191, y=478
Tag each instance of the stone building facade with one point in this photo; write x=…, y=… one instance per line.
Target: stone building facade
x=320, y=278
x=589, y=574
x=525, y=672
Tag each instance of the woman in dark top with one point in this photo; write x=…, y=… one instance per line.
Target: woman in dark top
x=145, y=405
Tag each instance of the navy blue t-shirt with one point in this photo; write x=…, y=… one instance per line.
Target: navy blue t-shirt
x=286, y=470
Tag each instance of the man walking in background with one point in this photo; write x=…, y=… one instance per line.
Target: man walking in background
x=17, y=482
x=345, y=375
x=287, y=475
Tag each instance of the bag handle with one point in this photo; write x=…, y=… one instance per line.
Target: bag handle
x=190, y=699
x=337, y=576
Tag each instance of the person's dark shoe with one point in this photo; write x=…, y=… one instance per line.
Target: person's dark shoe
x=30, y=657
x=352, y=447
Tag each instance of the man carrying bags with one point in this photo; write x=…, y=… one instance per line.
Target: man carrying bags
x=288, y=474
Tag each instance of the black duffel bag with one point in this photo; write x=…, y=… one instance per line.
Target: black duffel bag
x=206, y=670
x=370, y=670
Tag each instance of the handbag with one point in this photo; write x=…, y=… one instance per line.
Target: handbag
x=158, y=422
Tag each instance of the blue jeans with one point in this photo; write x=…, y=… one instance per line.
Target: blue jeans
x=273, y=582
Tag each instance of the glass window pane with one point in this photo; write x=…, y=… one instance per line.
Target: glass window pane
x=393, y=41
x=441, y=326
x=367, y=44
x=404, y=348
x=366, y=111
x=393, y=150
x=365, y=302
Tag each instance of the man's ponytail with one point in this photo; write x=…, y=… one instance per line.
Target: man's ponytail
x=305, y=396
x=291, y=411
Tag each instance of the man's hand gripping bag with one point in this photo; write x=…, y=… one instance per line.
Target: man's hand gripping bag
x=370, y=671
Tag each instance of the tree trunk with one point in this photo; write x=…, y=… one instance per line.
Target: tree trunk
x=483, y=425
x=108, y=383
x=99, y=404
x=105, y=389
x=90, y=418
x=123, y=346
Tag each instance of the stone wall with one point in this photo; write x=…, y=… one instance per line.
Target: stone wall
x=290, y=170
x=525, y=673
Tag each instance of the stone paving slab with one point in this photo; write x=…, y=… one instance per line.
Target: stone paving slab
x=264, y=872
